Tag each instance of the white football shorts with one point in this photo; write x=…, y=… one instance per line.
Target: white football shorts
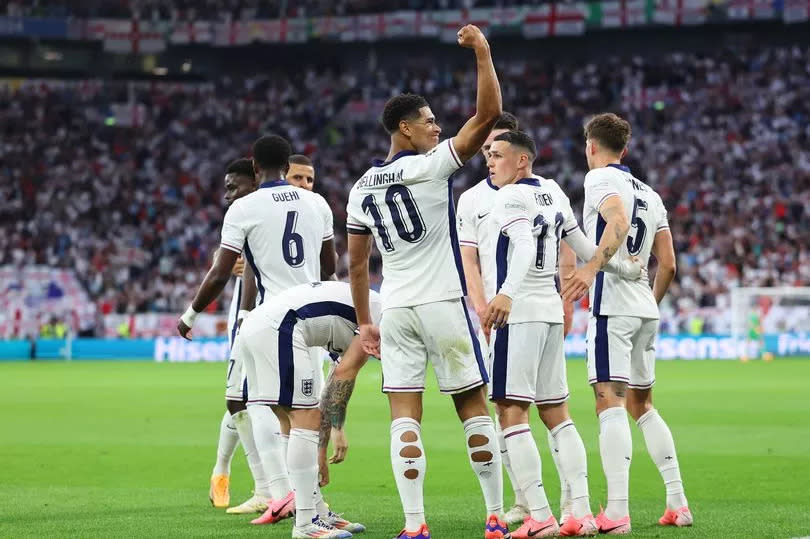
x=622, y=349
x=528, y=363
x=440, y=333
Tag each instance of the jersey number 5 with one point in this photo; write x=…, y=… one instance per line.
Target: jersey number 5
x=292, y=244
x=397, y=197
x=634, y=244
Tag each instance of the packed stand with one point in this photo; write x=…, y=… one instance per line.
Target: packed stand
x=136, y=211
x=218, y=10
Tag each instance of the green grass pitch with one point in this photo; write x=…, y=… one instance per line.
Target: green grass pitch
x=118, y=449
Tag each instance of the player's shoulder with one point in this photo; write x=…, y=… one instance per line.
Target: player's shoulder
x=509, y=196
x=602, y=174
x=473, y=193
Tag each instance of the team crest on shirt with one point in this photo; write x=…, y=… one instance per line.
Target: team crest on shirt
x=306, y=387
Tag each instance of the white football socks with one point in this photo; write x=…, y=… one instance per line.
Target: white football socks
x=572, y=465
x=245, y=429
x=520, y=499
x=302, y=463
x=267, y=435
x=409, y=464
x=321, y=507
x=228, y=438
x=527, y=469
x=485, y=459
x=661, y=448
x=616, y=449
x=565, y=490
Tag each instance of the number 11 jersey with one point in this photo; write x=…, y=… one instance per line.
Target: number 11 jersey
x=407, y=204
x=281, y=229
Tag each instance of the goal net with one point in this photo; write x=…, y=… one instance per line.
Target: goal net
x=771, y=321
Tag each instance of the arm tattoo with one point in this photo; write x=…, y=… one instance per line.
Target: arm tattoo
x=333, y=407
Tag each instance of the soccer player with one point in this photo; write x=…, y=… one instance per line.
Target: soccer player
x=301, y=172
x=275, y=340
x=474, y=208
x=406, y=202
x=529, y=218
x=624, y=320
x=240, y=180
x=287, y=237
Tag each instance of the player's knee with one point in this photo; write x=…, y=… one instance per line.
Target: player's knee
x=637, y=407
x=553, y=414
x=234, y=407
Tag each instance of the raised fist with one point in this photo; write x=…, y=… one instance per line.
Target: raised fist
x=471, y=37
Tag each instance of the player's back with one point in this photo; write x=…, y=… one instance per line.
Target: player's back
x=612, y=295
x=548, y=211
x=282, y=229
x=323, y=311
x=473, y=217
x=407, y=204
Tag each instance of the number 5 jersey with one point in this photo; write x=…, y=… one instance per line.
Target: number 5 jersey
x=610, y=294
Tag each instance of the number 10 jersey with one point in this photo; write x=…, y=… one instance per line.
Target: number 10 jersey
x=407, y=204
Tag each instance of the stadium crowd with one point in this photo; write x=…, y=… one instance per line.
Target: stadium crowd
x=136, y=211
x=232, y=9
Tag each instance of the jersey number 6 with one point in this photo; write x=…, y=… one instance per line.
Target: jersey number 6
x=292, y=244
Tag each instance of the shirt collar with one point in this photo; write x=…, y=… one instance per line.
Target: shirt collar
x=403, y=153
x=489, y=182
x=529, y=181
x=273, y=183
x=623, y=168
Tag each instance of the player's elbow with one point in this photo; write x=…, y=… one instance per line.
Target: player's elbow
x=668, y=267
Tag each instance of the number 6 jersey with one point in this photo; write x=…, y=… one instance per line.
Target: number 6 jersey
x=407, y=204
x=610, y=294
x=281, y=229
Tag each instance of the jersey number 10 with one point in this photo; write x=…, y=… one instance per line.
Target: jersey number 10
x=397, y=197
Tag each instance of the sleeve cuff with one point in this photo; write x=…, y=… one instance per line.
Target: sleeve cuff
x=233, y=248
x=605, y=197
x=512, y=222
x=454, y=154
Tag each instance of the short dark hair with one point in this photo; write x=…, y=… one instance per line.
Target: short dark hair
x=519, y=138
x=272, y=152
x=242, y=166
x=401, y=107
x=300, y=159
x=610, y=131
x=507, y=120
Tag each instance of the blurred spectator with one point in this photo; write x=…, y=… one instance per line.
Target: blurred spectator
x=724, y=137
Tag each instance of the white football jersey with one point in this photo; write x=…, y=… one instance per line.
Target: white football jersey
x=474, y=208
x=323, y=311
x=472, y=220
x=233, y=312
x=546, y=208
x=407, y=203
x=281, y=229
x=610, y=294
